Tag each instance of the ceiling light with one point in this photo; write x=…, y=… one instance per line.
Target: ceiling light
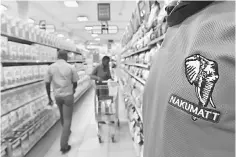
x=94, y=35
x=71, y=3
x=97, y=39
x=68, y=39
x=88, y=28
x=3, y=8
x=60, y=35
x=82, y=18
x=30, y=20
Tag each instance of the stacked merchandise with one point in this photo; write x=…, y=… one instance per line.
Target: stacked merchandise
x=25, y=56
x=29, y=33
x=137, y=57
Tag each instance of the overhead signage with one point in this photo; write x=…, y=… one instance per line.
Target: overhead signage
x=104, y=13
x=42, y=24
x=104, y=29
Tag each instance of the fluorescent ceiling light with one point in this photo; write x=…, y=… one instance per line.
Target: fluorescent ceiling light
x=30, y=20
x=88, y=28
x=97, y=39
x=68, y=39
x=94, y=35
x=3, y=8
x=71, y=3
x=82, y=18
x=60, y=35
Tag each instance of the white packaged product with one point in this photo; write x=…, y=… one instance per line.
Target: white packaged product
x=4, y=48
x=8, y=76
x=4, y=123
x=21, y=52
x=12, y=49
x=26, y=50
x=17, y=75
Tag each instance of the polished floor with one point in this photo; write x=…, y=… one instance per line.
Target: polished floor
x=84, y=139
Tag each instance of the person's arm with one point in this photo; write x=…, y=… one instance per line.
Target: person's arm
x=109, y=74
x=94, y=76
x=48, y=80
x=75, y=79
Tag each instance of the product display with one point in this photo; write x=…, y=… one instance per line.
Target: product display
x=139, y=51
x=17, y=28
x=25, y=56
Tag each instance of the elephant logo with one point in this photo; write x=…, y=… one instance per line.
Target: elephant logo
x=203, y=74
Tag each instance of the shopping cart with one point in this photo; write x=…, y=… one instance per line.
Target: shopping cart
x=107, y=107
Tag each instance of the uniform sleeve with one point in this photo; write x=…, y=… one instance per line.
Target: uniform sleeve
x=75, y=76
x=48, y=76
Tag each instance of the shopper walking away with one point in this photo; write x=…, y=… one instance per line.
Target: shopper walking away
x=102, y=73
x=189, y=98
x=63, y=77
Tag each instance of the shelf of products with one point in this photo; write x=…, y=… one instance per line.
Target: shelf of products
x=136, y=77
x=25, y=124
x=147, y=66
x=26, y=53
x=13, y=52
x=21, y=31
x=141, y=42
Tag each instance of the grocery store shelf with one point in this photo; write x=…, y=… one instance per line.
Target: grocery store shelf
x=156, y=40
x=82, y=93
x=36, y=62
x=30, y=147
x=147, y=66
x=21, y=84
x=136, y=77
x=27, y=62
x=136, y=107
x=136, y=52
x=24, y=41
x=22, y=105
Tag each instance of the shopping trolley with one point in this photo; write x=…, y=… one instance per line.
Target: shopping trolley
x=107, y=107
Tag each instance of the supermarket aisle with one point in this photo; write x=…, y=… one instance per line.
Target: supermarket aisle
x=84, y=139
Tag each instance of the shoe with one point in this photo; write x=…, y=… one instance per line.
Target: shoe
x=66, y=150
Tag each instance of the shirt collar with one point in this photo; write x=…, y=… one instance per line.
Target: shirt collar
x=184, y=9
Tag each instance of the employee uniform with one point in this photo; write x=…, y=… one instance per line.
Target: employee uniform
x=189, y=98
x=63, y=75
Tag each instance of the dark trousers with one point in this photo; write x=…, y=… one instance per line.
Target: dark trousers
x=65, y=105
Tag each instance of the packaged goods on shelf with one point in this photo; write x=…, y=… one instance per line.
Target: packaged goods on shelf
x=21, y=29
x=4, y=47
x=20, y=96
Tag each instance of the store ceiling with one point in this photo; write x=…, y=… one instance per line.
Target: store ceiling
x=65, y=19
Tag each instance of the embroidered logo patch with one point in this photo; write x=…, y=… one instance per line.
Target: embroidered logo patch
x=195, y=110
x=203, y=74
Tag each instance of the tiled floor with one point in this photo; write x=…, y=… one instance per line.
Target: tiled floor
x=84, y=139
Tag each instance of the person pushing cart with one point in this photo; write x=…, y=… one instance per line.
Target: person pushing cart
x=106, y=98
